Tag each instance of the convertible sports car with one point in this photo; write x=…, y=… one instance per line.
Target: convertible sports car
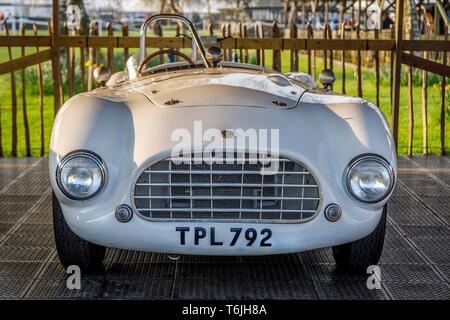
x=214, y=157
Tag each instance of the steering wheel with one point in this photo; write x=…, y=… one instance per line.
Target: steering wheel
x=157, y=53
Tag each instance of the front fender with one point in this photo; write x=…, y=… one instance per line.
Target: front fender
x=103, y=126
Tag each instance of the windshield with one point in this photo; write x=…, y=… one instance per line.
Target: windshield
x=196, y=43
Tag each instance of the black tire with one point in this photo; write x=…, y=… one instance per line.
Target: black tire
x=356, y=256
x=72, y=250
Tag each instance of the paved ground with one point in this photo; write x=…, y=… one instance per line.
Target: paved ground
x=415, y=263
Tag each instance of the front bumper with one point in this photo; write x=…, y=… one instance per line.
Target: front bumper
x=142, y=235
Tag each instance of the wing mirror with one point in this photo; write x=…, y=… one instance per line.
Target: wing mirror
x=214, y=55
x=101, y=75
x=327, y=77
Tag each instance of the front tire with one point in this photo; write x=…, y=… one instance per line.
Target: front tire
x=72, y=250
x=356, y=256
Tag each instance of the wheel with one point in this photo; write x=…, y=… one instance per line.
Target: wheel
x=356, y=256
x=72, y=250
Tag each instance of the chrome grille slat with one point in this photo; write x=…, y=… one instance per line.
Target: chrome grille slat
x=242, y=191
x=303, y=192
x=261, y=202
x=190, y=190
x=282, y=189
x=232, y=189
x=170, y=180
x=217, y=172
x=222, y=160
x=222, y=210
x=223, y=197
x=227, y=185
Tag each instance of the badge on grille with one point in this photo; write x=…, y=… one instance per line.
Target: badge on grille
x=227, y=134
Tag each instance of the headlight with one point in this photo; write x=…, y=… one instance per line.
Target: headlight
x=369, y=179
x=81, y=175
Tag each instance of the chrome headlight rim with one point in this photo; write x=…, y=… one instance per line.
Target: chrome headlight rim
x=81, y=154
x=365, y=157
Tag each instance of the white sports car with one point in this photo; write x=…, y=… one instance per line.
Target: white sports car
x=213, y=157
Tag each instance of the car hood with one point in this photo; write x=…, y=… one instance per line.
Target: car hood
x=219, y=87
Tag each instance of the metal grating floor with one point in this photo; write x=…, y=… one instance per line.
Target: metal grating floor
x=415, y=263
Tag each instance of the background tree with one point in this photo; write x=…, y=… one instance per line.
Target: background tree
x=84, y=23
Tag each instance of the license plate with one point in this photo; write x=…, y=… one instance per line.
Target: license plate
x=239, y=236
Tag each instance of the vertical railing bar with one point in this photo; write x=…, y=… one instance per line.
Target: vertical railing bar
x=13, y=102
x=392, y=63
x=56, y=64
x=58, y=94
x=1, y=145
x=258, y=52
x=425, y=98
x=179, y=31
x=98, y=49
x=309, y=35
x=230, y=51
x=343, y=59
x=41, y=98
x=377, y=69
x=159, y=33
x=410, y=105
x=91, y=59
x=276, y=53
x=224, y=35
x=241, y=54
x=82, y=63
x=244, y=35
x=330, y=36
x=67, y=49
x=358, y=70
x=72, y=65
x=325, y=52
x=24, y=104
x=210, y=29
x=263, y=54
x=296, y=63
x=443, y=100
x=397, y=70
x=291, y=31
x=125, y=50
x=110, y=51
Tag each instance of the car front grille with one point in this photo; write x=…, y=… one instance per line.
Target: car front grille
x=235, y=189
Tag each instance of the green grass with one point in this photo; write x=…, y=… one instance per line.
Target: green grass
x=368, y=82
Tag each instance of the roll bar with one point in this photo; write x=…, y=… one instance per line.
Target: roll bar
x=186, y=21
